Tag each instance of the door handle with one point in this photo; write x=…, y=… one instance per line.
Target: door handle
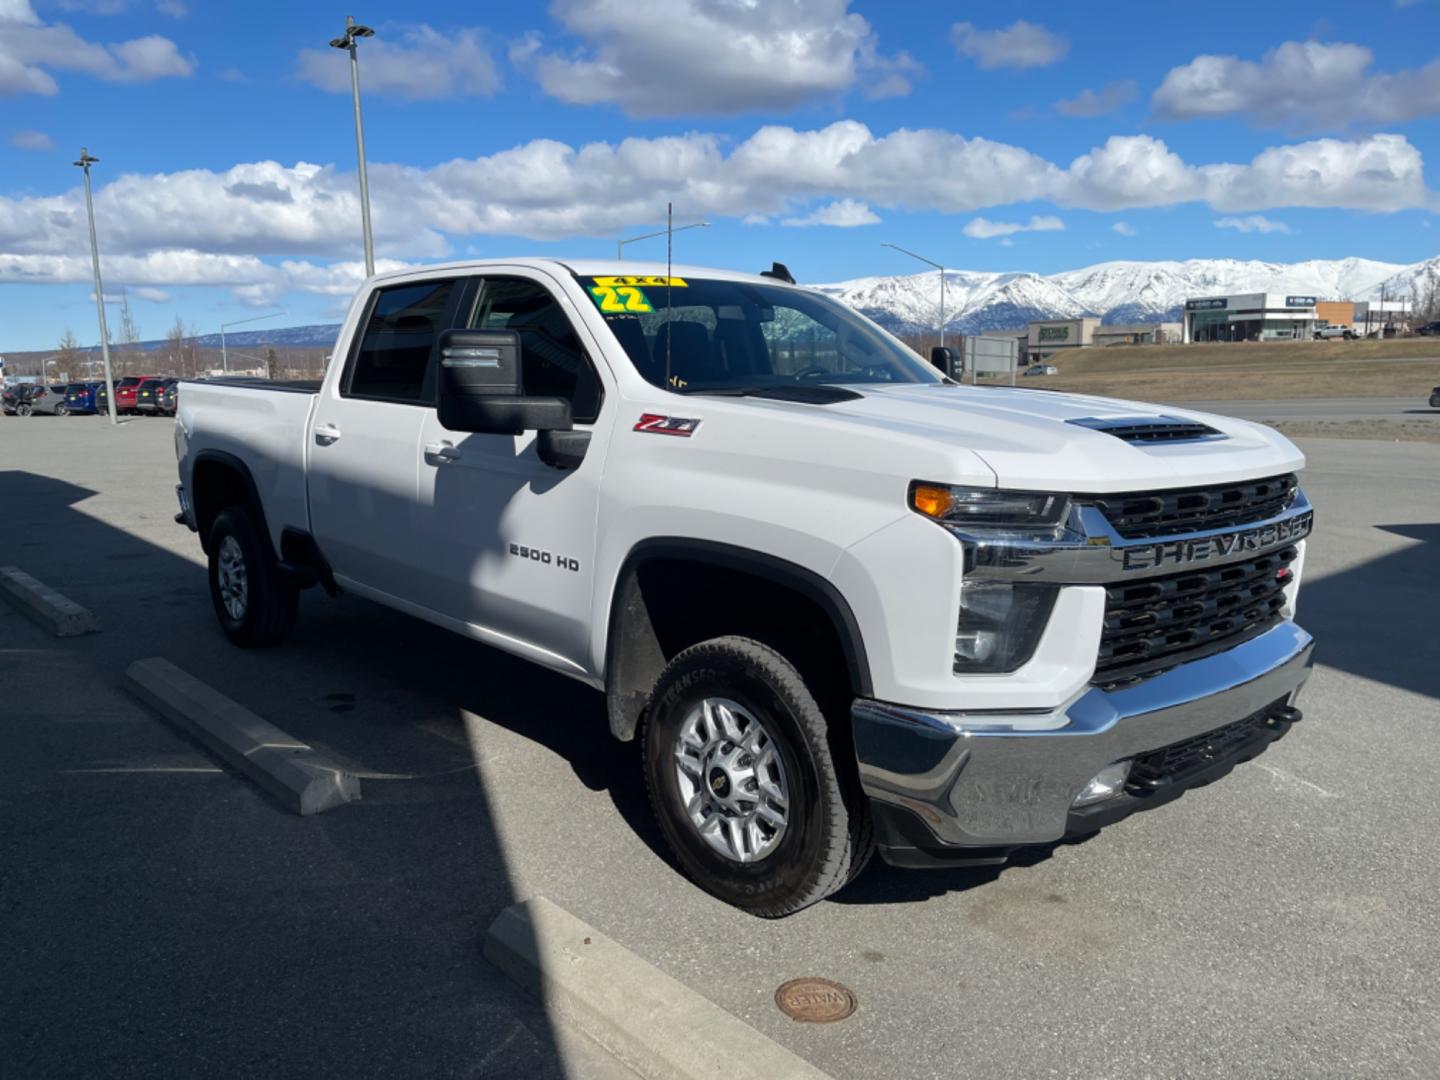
x=326, y=435
x=443, y=451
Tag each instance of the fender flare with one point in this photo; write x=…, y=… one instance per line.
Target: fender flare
x=625, y=703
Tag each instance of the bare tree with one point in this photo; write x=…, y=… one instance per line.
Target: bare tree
x=175, y=349
x=67, y=352
x=129, y=337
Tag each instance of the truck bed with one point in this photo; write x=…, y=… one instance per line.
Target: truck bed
x=263, y=423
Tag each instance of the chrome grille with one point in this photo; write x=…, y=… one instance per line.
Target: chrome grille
x=1184, y=510
x=1161, y=622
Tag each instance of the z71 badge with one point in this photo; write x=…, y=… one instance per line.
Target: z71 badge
x=1184, y=552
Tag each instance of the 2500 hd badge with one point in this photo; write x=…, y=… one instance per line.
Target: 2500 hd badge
x=1182, y=552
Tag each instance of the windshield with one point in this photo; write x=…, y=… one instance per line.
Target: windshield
x=735, y=335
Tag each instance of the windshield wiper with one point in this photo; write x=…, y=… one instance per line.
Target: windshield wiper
x=806, y=393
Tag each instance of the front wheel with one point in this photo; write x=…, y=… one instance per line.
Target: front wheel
x=745, y=782
x=255, y=605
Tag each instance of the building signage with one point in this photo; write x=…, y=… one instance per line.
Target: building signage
x=1206, y=305
x=1299, y=301
x=1054, y=333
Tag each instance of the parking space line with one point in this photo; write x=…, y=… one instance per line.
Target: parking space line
x=1288, y=778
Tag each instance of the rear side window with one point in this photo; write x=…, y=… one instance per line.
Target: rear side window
x=397, y=346
x=553, y=362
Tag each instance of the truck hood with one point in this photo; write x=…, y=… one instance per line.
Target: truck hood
x=1029, y=439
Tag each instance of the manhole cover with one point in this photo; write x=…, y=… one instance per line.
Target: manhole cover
x=815, y=1001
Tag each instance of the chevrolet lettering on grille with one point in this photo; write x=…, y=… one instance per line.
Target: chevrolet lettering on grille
x=1247, y=541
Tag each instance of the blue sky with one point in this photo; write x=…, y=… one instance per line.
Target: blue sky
x=1002, y=135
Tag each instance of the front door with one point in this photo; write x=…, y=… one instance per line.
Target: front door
x=509, y=541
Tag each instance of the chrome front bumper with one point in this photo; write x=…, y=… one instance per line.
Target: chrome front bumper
x=988, y=780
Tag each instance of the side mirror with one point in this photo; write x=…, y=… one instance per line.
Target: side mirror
x=947, y=360
x=481, y=389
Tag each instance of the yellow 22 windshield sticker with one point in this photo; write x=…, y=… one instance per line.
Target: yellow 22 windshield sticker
x=617, y=299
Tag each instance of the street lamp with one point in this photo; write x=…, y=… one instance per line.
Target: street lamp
x=620, y=244
x=224, y=358
x=347, y=42
x=84, y=163
x=937, y=266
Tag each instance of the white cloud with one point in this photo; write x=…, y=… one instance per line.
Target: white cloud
x=155, y=296
x=200, y=226
x=32, y=140
x=1252, y=223
x=423, y=64
x=984, y=229
x=174, y=8
x=233, y=74
x=844, y=214
x=709, y=57
x=1107, y=99
x=31, y=49
x=1307, y=84
x=1124, y=228
x=1020, y=45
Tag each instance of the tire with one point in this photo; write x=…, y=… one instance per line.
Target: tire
x=255, y=605
x=24, y=409
x=61, y=410
x=826, y=836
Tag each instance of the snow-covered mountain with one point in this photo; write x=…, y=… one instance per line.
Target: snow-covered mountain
x=1118, y=292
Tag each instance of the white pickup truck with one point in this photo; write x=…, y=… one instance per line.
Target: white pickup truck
x=840, y=602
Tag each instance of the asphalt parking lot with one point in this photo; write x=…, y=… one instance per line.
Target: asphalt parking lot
x=160, y=916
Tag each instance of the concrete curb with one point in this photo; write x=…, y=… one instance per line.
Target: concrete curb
x=651, y=1023
x=43, y=605
x=296, y=775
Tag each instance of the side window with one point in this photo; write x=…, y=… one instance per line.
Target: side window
x=398, y=341
x=553, y=362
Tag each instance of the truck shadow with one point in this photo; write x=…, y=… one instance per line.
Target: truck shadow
x=1380, y=619
x=177, y=920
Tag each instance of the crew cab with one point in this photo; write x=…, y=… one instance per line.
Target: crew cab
x=837, y=601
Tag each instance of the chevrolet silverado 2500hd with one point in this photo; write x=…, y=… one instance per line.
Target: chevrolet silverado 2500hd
x=839, y=601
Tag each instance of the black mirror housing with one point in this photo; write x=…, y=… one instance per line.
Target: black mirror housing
x=947, y=360
x=481, y=388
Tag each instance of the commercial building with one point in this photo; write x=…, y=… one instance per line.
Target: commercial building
x=1250, y=317
x=1335, y=312
x=1164, y=333
x=1381, y=315
x=1049, y=336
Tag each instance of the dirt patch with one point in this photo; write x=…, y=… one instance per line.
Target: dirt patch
x=1381, y=430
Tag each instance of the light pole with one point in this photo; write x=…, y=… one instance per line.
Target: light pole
x=84, y=163
x=224, y=357
x=937, y=266
x=620, y=244
x=347, y=42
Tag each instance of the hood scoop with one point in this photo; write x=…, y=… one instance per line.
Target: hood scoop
x=1150, y=429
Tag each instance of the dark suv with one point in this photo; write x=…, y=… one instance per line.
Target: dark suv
x=1435, y=398
x=15, y=400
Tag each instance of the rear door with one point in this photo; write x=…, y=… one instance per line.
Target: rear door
x=364, y=455
x=509, y=541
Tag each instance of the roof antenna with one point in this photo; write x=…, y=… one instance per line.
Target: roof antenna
x=669, y=289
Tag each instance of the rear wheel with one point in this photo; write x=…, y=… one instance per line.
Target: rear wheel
x=256, y=606
x=745, y=783
x=61, y=410
x=24, y=409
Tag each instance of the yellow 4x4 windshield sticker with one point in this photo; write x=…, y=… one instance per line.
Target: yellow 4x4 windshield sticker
x=619, y=299
x=646, y=281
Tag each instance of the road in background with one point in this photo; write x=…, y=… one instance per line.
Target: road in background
x=160, y=916
x=1354, y=408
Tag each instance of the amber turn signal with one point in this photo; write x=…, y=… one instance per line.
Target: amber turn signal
x=931, y=500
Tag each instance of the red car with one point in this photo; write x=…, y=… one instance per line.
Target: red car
x=124, y=393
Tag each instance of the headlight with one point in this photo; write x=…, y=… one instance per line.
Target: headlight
x=987, y=510
x=1000, y=625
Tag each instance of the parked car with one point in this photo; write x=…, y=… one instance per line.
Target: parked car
x=15, y=400
x=1429, y=329
x=148, y=394
x=838, y=609
x=125, y=388
x=80, y=399
x=1435, y=398
x=49, y=400
x=1330, y=333
x=1041, y=369
x=170, y=397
